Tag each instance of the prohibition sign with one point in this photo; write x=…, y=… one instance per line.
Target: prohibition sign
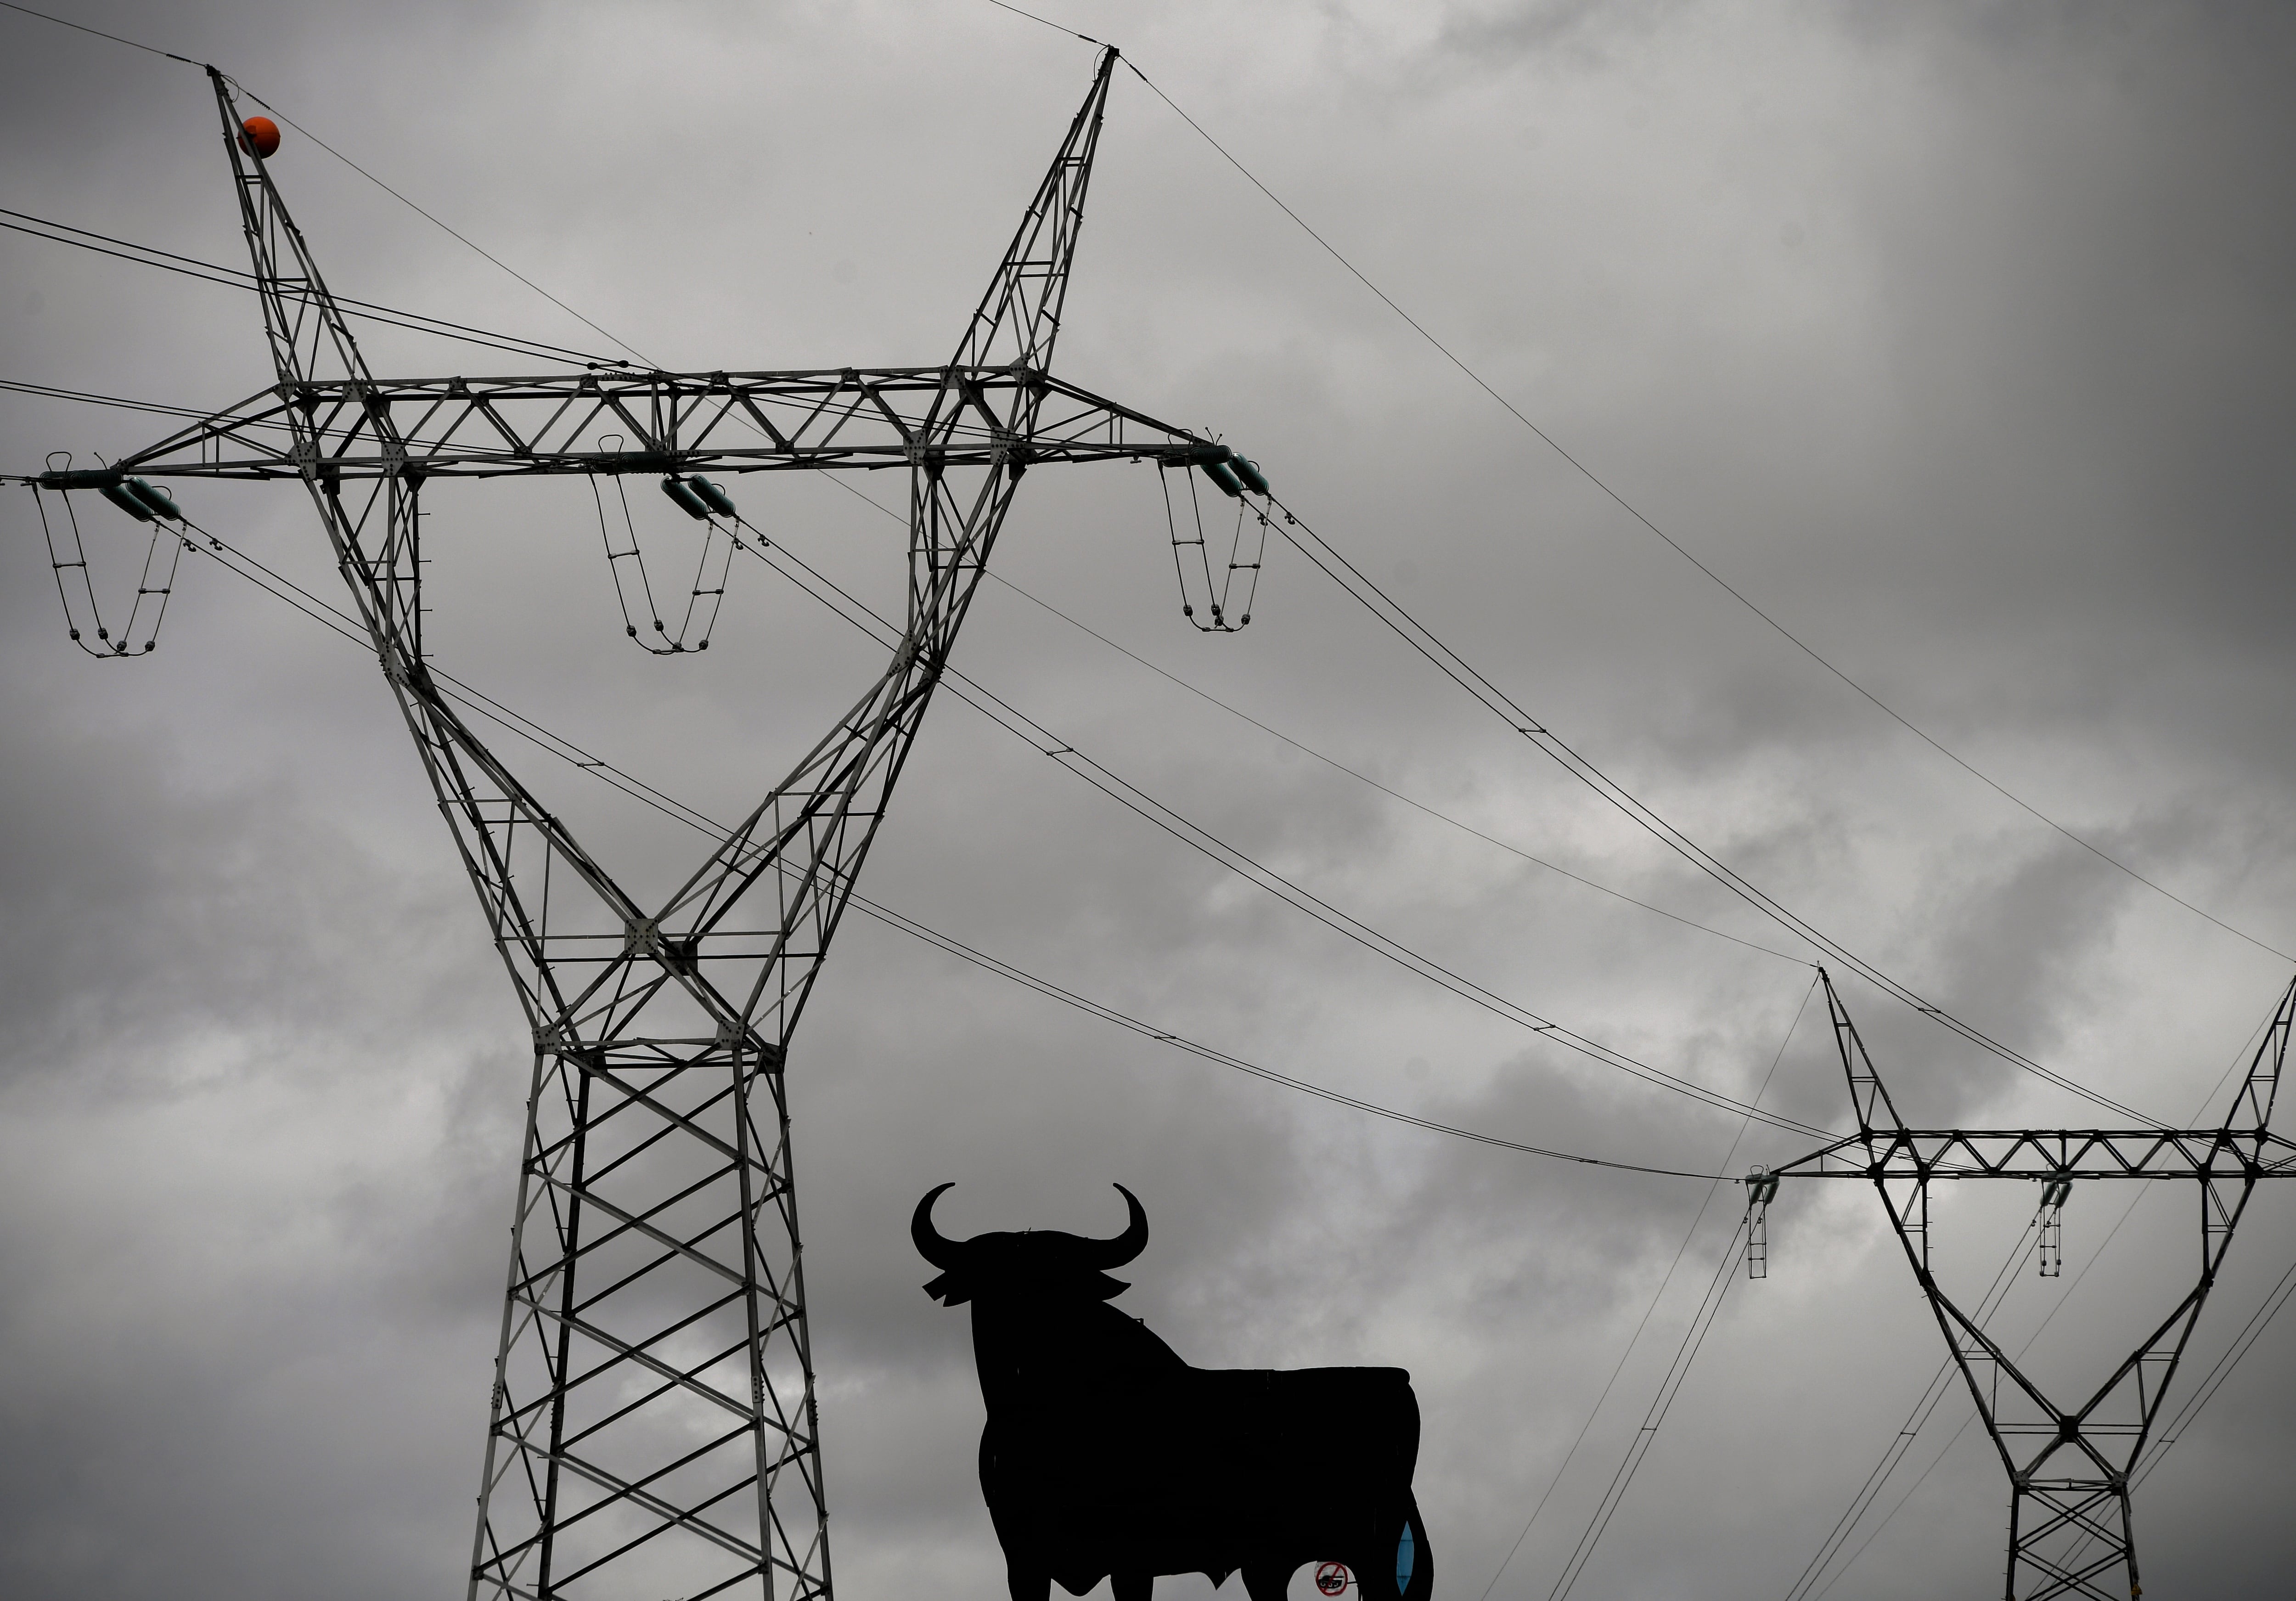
x=1332, y=1578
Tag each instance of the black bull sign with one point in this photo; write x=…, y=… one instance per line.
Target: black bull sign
x=1107, y=1457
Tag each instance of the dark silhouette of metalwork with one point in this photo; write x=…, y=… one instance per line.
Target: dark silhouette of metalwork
x=653, y=1426
x=1107, y=1457
x=2069, y=1465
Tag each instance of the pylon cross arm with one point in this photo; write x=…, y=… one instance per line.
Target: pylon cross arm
x=2048, y=1154
x=848, y=419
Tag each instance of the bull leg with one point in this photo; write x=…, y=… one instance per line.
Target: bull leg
x=1265, y=1583
x=1131, y=1586
x=1027, y=1584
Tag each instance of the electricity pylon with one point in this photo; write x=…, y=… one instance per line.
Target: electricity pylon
x=653, y=1429
x=2069, y=1465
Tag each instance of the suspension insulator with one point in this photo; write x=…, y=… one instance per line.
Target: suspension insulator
x=161, y=504
x=712, y=496
x=1220, y=473
x=119, y=495
x=688, y=501
x=259, y=136
x=1249, y=472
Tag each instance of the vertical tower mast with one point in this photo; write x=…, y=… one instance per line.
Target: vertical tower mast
x=653, y=1428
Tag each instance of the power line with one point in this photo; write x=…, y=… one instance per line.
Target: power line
x=1328, y=560
x=1656, y=1296
x=1333, y=762
x=1932, y=1396
x=1394, y=794
x=342, y=623
x=48, y=391
x=1172, y=821
x=346, y=160
x=232, y=277
x=1694, y=1340
x=1047, y=22
x=99, y=33
x=1589, y=474
x=426, y=216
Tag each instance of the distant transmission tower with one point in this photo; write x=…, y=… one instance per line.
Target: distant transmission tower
x=2069, y=1465
x=654, y=1430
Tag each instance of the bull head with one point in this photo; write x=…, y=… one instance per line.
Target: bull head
x=1036, y=1263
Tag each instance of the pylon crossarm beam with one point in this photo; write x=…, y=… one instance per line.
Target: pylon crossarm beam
x=598, y=425
x=2045, y=1153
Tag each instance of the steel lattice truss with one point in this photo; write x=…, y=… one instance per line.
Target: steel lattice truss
x=653, y=1429
x=2069, y=1466
x=877, y=417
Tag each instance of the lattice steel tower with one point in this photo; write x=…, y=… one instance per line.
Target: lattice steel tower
x=2069, y=1464
x=653, y=1429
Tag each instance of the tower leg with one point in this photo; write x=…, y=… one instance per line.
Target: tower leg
x=654, y=1376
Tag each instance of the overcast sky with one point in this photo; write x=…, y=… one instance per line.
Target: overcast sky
x=1956, y=337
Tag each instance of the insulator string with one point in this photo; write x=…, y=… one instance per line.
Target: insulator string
x=703, y=597
x=154, y=583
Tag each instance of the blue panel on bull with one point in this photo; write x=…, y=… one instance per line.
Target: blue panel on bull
x=1107, y=1457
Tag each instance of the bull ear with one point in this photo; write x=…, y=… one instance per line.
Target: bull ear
x=940, y=1252
x=1125, y=1246
x=949, y=1290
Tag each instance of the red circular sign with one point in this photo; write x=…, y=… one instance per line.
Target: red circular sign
x=1332, y=1578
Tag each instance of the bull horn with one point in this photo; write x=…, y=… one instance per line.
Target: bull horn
x=1114, y=1254
x=931, y=1244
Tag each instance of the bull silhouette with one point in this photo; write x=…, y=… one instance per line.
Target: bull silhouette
x=1107, y=1457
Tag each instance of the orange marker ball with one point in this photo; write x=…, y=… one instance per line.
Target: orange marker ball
x=259, y=136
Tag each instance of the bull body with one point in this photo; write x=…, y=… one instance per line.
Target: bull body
x=1105, y=1456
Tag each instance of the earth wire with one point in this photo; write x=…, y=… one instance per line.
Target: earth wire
x=1623, y=505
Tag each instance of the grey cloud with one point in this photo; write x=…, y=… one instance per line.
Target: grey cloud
x=1952, y=335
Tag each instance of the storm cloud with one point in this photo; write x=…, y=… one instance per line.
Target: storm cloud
x=1957, y=338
